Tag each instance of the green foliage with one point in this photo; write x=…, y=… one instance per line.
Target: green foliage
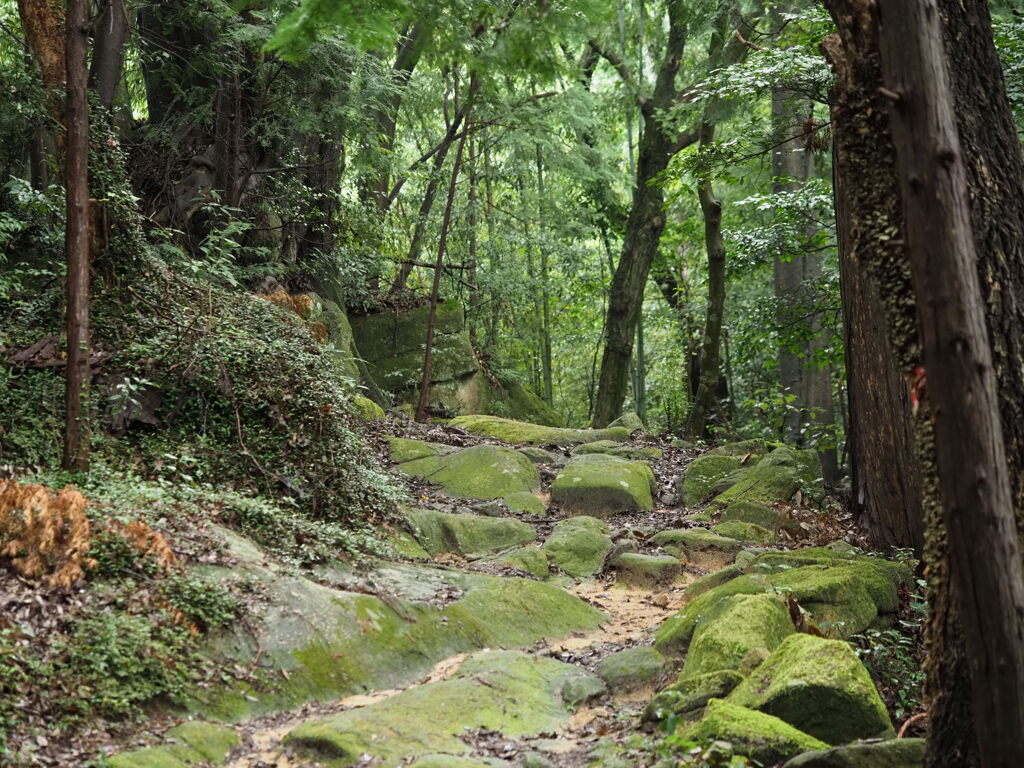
x=117, y=661
x=679, y=752
x=894, y=658
x=205, y=604
x=1009, y=38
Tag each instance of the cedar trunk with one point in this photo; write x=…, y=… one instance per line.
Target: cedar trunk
x=987, y=580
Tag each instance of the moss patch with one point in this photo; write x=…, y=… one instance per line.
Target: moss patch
x=894, y=753
x=192, y=743
x=746, y=532
x=524, y=501
x=513, y=693
x=762, y=737
x=524, y=433
x=776, y=477
x=818, y=686
x=647, y=570
x=439, y=532
x=756, y=448
x=479, y=472
x=704, y=474
x=687, y=697
x=748, y=512
x=631, y=668
x=366, y=409
x=741, y=625
x=404, y=449
x=579, y=545
x=601, y=485
x=533, y=560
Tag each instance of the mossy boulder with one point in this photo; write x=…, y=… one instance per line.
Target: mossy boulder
x=579, y=545
x=525, y=433
x=686, y=698
x=818, y=686
x=189, y=744
x=704, y=474
x=366, y=409
x=532, y=560
x=405, y=449
x=893, y=753
x=524, y=501
x=611, y=448
x=756, y=514
x=755, y=449
x=742, y=625
x=713, y=579
x=541, y=456
x=630, y=420
x=331, y=643
x=691, y=543
x=631, y=668
x=583, y=689
x=479, y=472
x=745, y=532
x=515, y=694
x=439, y=532
x=391, y=343
x=600, y=485
x=448, y=761
x=647, y=570
x=764, y=738
x=776, y=477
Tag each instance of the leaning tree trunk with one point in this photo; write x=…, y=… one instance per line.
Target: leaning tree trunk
x=987, y=580
x=704, y=402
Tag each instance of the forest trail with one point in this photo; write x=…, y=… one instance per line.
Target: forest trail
x=643, y=575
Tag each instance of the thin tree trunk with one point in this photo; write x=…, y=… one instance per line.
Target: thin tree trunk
x=493, y=263
x=985, y=559
x=76, y=432
x=442, y=242
x=710, y=358
x=475, y=297
x=547, y=390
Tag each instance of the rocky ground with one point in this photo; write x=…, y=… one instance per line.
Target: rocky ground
x=556, y=593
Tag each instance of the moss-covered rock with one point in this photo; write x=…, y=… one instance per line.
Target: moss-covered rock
x=746, y=532
x=646, y=570
x=742, y=624
x=691, y=541
x=583, y=689
x=818, y=686
x=611, y=448
x=449, y=761
x=579, y=545
x=600, y=485
x=713, y=579
x=748, y=512
x=332, y=643
x=762, y=737
x=630, y=420
x=541, y=456
x=533, y=560
x=366, y=409
x=686, y=698
x=631, y=668
x=755, y=449
x=776, y=477
x=189, y=744
x=404, y=449
x=439, y=532
x=893, y=753
x=704, y=474
x=513, y=693
x=524, y=501
x=524, y=433
x=479, y=472
x=674, y=634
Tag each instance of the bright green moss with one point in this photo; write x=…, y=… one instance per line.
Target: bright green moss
x=600, y=485
x=579, y=545
x=524, y=433
x=743, y=623
x=704, y=474
x=762, y=737
x=479, y=472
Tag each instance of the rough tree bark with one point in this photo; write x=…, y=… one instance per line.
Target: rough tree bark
x=108, y=51
x=704, y=402
x=987, y=579
x=76, y=175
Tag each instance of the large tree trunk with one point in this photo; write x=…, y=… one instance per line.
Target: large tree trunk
x=76, y=175
x=987, y=581
x=704, y=402
x=108, y=50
